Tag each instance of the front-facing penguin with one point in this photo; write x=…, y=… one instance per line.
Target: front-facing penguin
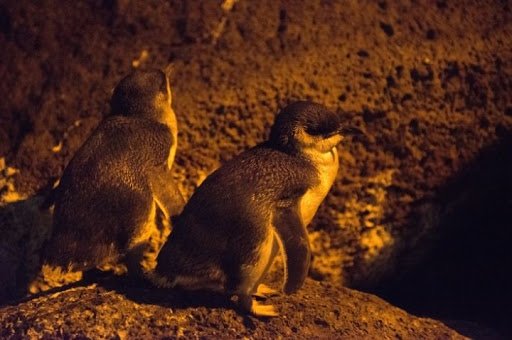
x=110, y=192
x=255, y=204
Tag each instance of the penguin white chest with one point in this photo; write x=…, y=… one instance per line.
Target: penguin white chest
x=327, y=166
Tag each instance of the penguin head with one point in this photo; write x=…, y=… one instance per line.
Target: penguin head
x=144, y=93
x=306, y=125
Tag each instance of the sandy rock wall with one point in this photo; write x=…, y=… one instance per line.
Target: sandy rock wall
x=428, y=82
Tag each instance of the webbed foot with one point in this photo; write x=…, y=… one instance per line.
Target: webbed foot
x=263, y=291
x=255, y=308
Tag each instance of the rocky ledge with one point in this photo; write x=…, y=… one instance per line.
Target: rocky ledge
x=115, y=308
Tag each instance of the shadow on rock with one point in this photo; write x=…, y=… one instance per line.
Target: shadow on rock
x=463, y=273
x=143, y=292
x=24, y=226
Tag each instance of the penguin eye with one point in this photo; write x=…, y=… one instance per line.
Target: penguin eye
x=322, y=129
x=312, y=131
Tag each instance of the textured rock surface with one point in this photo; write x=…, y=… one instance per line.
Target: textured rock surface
x=428, y=82
x=319, y=311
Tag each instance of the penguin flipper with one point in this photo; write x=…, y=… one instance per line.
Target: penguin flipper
x=293, y=237
x=165, y=192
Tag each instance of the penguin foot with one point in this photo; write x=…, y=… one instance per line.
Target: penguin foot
x=263, y=310
x=263, y=291
x=255, y=308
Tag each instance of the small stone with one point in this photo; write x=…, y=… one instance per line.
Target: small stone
x=387, y=28
x=431, y=34
x=363, y=53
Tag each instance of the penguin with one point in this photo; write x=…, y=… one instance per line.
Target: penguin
x=109, y=195
x=254, y=205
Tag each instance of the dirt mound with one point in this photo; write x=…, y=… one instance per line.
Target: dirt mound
x=99, y=312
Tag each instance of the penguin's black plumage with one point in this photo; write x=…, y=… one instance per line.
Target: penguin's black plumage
x=105, y=203
x=260, y=201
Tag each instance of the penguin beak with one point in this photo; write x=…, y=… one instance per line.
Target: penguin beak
x=350, y=131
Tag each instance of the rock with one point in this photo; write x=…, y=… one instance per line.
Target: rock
x=112, y=309
x=428, y=109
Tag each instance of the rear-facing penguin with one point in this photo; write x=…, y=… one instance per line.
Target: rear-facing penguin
x=118, y=182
